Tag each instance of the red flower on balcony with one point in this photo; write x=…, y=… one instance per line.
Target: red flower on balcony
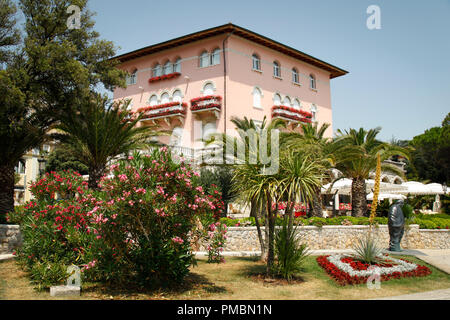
x=294, y=114
x=206, y=102
x=162, y=110
x=165, y=77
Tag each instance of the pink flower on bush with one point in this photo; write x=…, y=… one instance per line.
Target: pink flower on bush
x=177, y=240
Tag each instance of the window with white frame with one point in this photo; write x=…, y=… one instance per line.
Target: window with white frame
x=313, y=112
x=132, y=78
x=276, y=69
x=168, y=67
x=153, y=100
x=287, y=101
x=177, y=96
x=312, y=81
x=177, y=65
x=296, y=104
x=20, y=168
x=256, y=62
x=165, y=98
x=208, y=89
x=276, y=99
x=157, y=70
x=215, y=57
x=204, y=59
x=295, y=77
x=257, y=98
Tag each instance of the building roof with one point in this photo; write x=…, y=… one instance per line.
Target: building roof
x=239, y=31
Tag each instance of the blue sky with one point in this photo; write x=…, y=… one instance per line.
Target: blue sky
x=399, y=75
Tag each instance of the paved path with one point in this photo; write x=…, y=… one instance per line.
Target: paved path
x=443, y=294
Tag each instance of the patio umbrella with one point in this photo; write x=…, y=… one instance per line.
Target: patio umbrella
x=344, y=186
x=383, y=196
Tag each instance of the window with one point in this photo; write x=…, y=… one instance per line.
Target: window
x=215, y=57
x=256, y=62
x=204, y=59
x=132, y=78
x=20, y=168
x=168, y=67
x=312, y=81
x=296, y=104
x=295, y=78
x=177, y=96
x=165, y=98
x=177, y=65
x=157, y=70
x=208, y=89
x=276, y=99
x=153, y=100
x=257, y=98
x=313, y=112
x=276, y=69
x=287, y=101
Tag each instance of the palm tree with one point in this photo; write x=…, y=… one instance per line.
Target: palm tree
x=97, y=131
x=311, y=141
x=356, y=152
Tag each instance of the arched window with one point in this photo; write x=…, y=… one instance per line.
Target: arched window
x=276, y=69
x=287, y=101
x=257, y=97
x=132, y=78
x=312, y=81
x=208, y=89
x=296, y=104
x=313, y=112
x=295, y=78
x=276, y=99
x=153, y=100
x=256, y=62
x=177, y=65
x=157, y=70
x=215, y=57
x=165, y=98
x=177, y=96
x=204, y=59
x=168, y=67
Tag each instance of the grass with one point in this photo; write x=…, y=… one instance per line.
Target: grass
x=236, y=279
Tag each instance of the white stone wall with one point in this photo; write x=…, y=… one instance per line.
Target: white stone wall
x=10, y=238
x=342, y=237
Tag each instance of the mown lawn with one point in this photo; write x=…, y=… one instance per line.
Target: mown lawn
x=235, y=279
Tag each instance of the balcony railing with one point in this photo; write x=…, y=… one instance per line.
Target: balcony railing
x=291, y=114
x=207, y=104
x=164, y=110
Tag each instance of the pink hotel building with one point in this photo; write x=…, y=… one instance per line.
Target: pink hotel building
x=193, y=85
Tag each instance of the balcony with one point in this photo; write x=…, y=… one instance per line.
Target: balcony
x=208, y=105
x=291, y=115
x=165, y=112
x=164, y=77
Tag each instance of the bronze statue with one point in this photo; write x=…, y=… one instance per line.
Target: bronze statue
x=396, y=225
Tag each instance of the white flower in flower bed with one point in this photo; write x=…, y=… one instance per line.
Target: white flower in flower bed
x=402, y=266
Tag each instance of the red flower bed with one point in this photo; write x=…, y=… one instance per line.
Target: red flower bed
x=195, y=100
x=163, y=112
x=304, y=114
x=343, y=278
x=164, y=77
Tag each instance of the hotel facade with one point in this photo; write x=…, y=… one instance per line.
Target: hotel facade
x=194, y=85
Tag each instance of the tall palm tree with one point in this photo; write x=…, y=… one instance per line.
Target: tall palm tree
x=98, y=131
x=356, y=152
x=311, y=140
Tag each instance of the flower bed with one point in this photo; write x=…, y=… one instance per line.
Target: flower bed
x=206, y=102
x=291, y=113
x=162, y=110
x=164, y=77
x=347, y=270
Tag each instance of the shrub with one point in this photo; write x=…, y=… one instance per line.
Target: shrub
x=216, y=241
x=289, y=251
x=55, y=232
x=143, y=225
x=367, y=250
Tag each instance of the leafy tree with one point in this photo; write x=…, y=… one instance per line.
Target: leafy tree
x=356, y=153
x=430, y=158
x=44, y=76
x=61, y=159
x=222, y=178
x=99, y=131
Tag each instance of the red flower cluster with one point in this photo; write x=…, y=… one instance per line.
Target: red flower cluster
x=196, y=106
x=358, y=265
x=198, y=99
x=164, y=77
x=343, y=278
x=162, y=107
x=345, y=206
x=304, y=114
